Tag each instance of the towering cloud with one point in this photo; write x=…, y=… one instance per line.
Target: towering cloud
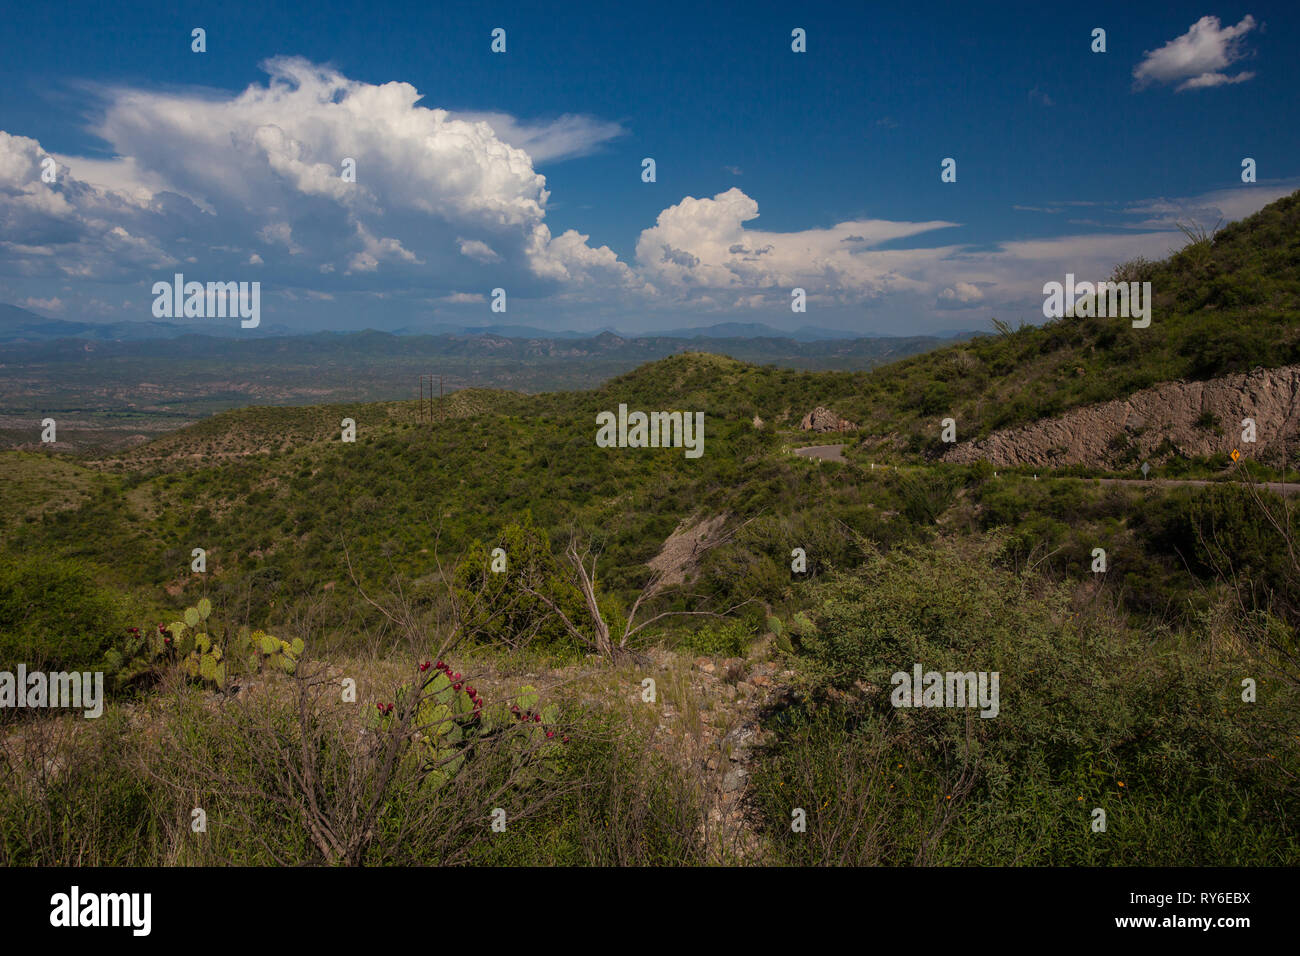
x=439, y=202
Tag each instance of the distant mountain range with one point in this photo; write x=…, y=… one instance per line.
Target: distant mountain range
x=22, y=325
x=18, y=325
x=721, y=330
x=116, y=382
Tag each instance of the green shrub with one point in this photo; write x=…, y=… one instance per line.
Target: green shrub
x=54, y=614
x=1090, y=715
x=81, y=799
x=496, y=606
x=725, y=638
x=927, y=495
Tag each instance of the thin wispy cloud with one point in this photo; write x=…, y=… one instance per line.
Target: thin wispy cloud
x=565, y=137
x=1224, y=205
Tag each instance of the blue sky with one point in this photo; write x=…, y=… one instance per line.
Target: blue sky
x=774, y=169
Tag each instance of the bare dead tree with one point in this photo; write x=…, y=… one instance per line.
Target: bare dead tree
x=601, y=637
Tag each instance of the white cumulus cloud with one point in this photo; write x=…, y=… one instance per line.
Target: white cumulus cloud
x=701, y=246
x=1199, y=58
x=222, y=181
x=962, y=292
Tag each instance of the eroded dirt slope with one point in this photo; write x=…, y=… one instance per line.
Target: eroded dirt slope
x=1174, y=419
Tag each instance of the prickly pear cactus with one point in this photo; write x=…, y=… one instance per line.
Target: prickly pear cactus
x=536, y=746
x=449, y=714
x=275, y=653
x=204, y=653
x=452, y=715
x=201, y=654
x=137, y=655
x=783, y=641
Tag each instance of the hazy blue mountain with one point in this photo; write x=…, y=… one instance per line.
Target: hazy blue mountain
x=22, y=325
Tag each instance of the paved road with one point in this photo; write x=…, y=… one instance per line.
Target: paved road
x=836, y=453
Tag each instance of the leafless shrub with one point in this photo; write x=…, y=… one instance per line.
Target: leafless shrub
x=602, y=639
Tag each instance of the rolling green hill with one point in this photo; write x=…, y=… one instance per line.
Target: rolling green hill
x=1223, y=305
x=1122, y=688
x=108, y=394
x=274, y=490
x=275, y=493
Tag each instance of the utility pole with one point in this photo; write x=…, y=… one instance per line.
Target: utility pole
x=420, y=410
x=429, y=416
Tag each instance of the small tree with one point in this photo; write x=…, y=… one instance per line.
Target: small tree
x=495, y=605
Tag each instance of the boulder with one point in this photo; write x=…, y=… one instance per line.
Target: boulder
x=822, y=419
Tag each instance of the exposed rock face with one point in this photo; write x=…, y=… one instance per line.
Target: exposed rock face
x=1108, y=435
x=824, y=420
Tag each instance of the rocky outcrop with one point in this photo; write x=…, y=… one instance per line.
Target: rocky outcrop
x=822, y=419
x=1175, y=419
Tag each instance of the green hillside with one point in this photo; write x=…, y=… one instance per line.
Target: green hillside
x=1222, y=305
x=1122, y=686
x=274, y=493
